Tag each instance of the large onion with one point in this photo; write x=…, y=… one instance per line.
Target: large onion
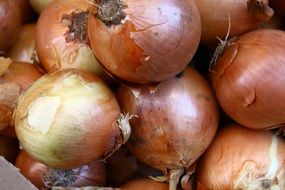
x=241, y=158
x=144, y=41
x=176, y=122
x=69, y=118
x=244, y=15
x=248, y=79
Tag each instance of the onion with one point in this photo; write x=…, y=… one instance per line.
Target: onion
x=242, y=158
x=144, y=184
x=244, y=15
x=176, y=122
x=61, y=38
x=69, y=118
x=23, y=48
x=15, y=77
x=144, y=41
x=247, y=79
x=42, y=176
x=39, y=5
x=10, y=23
x=278, y=6
x=9, y=148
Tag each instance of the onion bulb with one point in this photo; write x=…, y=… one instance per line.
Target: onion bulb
x=177, y=120
x=61, y=38
x=144, y=184
x=24, y=47
x=144, y=41
x=242, y=158
x=10, y=23
x=69, y=118
x=15, y=77
x=248, y=78
x=39, y=5
x=240, y=16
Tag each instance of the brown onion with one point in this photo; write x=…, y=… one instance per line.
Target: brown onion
x=10, y=23
x=69, y=118
x=144, y=184
x=244, y=15
x=24, y=47
x=40, y=5
x=15, y=77
x=61, y=38
x=242, y=158
x=248, y=78
x=9, y=148
x=278, y=6
x=176, y=122
x=144, y=41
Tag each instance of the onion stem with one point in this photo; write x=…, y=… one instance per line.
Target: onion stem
x=174, y=178
x=125, y=126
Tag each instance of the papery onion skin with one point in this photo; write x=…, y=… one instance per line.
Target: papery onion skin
x=248, y=76
x=155, y=41
x=242, y=158
x=15, y=77
x=144, y=184
x=9, y=148
x=10, y=23
x=68, y=118
x=176, y=122
x=215, y=15
x=24, y=47
x=40, y=5
x=54, y=44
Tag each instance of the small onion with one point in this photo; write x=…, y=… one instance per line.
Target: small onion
x=244, y=15
x=176, y=122
x=39, y=5
x=144, y=184
x=9, y=148
x=144, y=41
x=15, y=77
x=69, y=118
x=24, y=47
x=248, y=78
x=242, y=158
x=10, y=23
x=61, y=38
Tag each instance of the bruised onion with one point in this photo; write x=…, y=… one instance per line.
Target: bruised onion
x=243, y=15
x=15, y=77
x=144, y=184
x=144, y=41
x=24, y=47
x=61, y=38
x=242, y=158
x=248, y=78
x=10, y=23
x=176, y=121
x=69, y=118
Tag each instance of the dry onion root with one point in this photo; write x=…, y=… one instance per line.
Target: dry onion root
x=242, y=158
x=69, y=118
x=177, y=119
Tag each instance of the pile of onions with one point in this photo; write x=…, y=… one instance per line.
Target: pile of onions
x=92, y=174
x=10, y=23
x=244, y=15
x=9, y=148
x=15, y=77
x=24, y=47
x=69, y=118
x=61, y=38
x=248, y=78
x=242, y=158
x=144, y=41
x=39, y=5
x=176, y=121
x=278, y=6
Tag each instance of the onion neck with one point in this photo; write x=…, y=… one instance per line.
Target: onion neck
x=125, y=126
x=260, y=10
x=111, y=12
x=174, y=178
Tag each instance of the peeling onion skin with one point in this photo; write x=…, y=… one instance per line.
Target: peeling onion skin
x=176, y=122
x=215, y=18
x=80, y=119
x=155, y=41
x=248, y=78
x=243, y=158
x=10, y=23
